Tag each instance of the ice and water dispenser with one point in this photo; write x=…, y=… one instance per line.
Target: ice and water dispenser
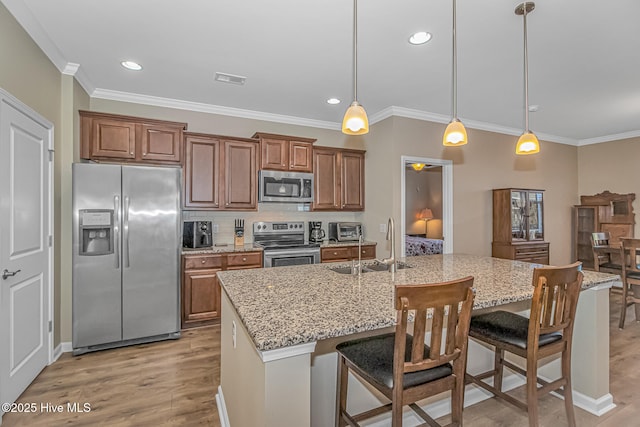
x=96, y=231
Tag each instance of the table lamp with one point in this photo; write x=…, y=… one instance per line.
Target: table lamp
x=426, y=215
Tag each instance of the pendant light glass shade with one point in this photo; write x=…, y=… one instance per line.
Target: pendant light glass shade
x=527, y=143
x=355, y=120
x=418, y=166
x=455, y=134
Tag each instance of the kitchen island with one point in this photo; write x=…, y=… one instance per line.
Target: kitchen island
x=280, y=327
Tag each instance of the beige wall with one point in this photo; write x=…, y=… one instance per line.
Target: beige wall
x=610, y=166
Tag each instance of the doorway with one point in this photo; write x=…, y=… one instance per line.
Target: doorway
x=411, y=221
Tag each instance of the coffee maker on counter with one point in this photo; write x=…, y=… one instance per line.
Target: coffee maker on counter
x=316, y=233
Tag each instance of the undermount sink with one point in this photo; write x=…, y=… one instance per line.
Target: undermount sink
x=368, y=268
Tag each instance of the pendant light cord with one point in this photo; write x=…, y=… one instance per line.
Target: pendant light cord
x=454, y=71
x=355, y=50
x=526, y=72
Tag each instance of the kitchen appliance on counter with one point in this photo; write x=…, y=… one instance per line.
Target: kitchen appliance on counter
x=126, y=243
x=197, y=234
x=316, y=233
x=283, y=244
x=290, y=187
x=345, y=231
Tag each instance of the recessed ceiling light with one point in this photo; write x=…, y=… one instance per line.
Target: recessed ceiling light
x=230, y=78
x=420, y=37
x=333, y=101
x=130, y=65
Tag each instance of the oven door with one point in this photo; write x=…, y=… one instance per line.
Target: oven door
x=284, y=257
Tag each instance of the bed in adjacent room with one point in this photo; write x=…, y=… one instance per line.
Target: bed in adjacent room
x=420, y=245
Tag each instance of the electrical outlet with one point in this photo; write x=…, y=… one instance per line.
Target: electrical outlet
x=383, y=228
x=215, y=228
x=233, y=332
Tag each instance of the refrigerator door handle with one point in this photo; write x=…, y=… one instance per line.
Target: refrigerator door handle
x=126, y=232
x=116, y=229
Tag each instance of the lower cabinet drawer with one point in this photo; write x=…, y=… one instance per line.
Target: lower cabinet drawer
x=244, y=260
x=342, y=253
x=366, y=252
x=202, y=261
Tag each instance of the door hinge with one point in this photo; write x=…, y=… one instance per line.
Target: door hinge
x=50, y=325
x=50, y=241
x=51, y=155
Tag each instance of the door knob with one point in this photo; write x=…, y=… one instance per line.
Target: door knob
x=6, y=273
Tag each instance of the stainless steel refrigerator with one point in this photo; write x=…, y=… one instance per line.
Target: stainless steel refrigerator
x=126, y=242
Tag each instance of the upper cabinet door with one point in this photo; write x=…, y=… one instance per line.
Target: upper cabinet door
x=352, y=181
x=241, y=175
x=113, y=138
x=275, y=154
x=160, y=143
x=326, y=172
x=300, y=156
x=202, y=172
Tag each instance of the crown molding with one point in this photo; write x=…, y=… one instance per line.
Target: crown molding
x=212, y=109
x=609, y=138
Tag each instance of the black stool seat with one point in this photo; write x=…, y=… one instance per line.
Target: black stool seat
x=507, y=327
x=374, y=356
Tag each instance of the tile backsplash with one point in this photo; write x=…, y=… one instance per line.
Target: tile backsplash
x=224, y=221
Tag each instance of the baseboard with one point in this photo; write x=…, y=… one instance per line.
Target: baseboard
x=63, y=347
x=598, y=407
x=222, y=408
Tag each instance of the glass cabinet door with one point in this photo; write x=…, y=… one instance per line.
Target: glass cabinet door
x=518, y=215
x=535, y=230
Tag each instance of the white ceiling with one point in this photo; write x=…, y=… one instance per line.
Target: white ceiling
x=584, y=57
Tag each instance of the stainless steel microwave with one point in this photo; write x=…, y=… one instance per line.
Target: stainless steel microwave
x=291, y=187
x=345, y=231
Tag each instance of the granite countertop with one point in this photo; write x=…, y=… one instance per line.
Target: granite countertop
x=328, y=244
x=286, y=306
x=221, y=249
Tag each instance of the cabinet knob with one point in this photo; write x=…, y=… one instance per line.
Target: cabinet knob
x=203, y=261
x=131, y=152
x=335, y=253
x=144, y=154
x=227, y=203
x=244, y=258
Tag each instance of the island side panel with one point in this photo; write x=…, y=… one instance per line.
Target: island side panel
x=242, y=372
x=261, y=394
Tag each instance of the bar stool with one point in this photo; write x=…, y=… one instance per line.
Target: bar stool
x=400, y=365
x=548, y=331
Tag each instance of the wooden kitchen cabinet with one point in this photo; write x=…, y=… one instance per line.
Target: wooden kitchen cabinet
x=201, y=292
x=518, y=225
x=347, y=253
x=338, y=179
x=284, y=152
x=220, y=172
x=111, y=137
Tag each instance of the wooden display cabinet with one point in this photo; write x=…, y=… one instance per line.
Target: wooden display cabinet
x=116, y=138
x=518, y=225
x=338, y=179
x=284, y=152
x=220, y=172
x=604, y=212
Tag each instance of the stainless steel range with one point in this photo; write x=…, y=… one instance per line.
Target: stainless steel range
x=283, y=244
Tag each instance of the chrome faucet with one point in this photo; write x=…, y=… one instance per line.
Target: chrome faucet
x=391, y=261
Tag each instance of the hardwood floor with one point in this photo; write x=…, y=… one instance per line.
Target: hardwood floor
x=173, y=383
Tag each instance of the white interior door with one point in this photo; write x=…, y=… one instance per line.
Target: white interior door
x=25, y=253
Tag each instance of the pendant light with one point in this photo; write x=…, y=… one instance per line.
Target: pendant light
x=455, y=134
x=418, y=166
x=355, y=120
x=528, y=142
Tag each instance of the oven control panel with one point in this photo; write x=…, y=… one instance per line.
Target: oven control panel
x=278, y=227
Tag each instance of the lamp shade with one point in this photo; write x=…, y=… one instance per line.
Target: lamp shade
x=355, y=120
x=455, y=135
x=528, y=144
x=426, y=214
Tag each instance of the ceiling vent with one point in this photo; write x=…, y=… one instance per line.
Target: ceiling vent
x=230, y=78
